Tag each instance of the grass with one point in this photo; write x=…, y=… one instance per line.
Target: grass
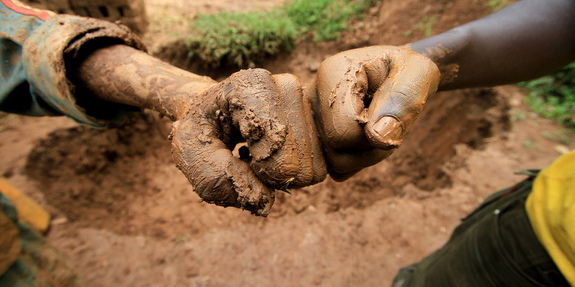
x=497, y=4
x=243, y=39
x=425, y=25
x=240, y=39
x=528, y=144
x=324, y=19
x=553, y=96
x=560, y=136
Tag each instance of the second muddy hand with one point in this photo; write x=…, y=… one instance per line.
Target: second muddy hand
x=266, y=111
x=366, y=100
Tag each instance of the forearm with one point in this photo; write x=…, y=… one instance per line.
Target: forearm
x=124, y=75
x=525, y=40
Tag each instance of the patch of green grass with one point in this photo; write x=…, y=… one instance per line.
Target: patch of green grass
x=528, y=144
x=243, y=39
x=181, y=238
x=326, y=18
x=560, y=136
x=240, y=39
x=425, y=25
x=553, y=96
x=518, y=116
x=497, y=4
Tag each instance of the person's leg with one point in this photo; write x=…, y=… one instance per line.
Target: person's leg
x=494, y=246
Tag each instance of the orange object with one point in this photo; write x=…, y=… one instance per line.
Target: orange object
x=29, y=211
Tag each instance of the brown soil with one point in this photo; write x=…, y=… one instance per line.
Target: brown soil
x=124, y=215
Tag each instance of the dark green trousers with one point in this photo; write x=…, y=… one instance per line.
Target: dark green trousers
x=494, y=246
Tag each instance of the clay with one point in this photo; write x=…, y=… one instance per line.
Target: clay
x=125, y=75
x=448, y=71
x=210, y=119
x=366, y=99
x=266, y=112
x=299, y=162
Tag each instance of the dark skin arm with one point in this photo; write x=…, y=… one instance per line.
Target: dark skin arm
x=522, y=41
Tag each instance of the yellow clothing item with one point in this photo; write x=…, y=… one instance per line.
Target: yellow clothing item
x=28, y=210
x=551, y=210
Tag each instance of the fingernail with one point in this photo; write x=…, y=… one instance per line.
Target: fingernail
x=389, y=132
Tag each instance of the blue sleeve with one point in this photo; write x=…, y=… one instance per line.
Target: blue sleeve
x=35, y=48
x=15, y=93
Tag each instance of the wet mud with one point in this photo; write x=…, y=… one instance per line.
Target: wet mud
x=269, y=114
x=367, y=99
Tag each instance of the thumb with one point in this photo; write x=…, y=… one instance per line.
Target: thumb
x=399, y=100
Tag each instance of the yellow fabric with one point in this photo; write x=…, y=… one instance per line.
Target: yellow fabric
x=551, y=210
x=28, y=210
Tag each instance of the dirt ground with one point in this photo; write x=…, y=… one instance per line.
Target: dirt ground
x=124, y=215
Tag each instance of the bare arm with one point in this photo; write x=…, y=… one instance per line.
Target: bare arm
x=525, y=40
x=266, y=111
x=124, y=75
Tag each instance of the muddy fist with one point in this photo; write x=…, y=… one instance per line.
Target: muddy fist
x=366, y=99
x=269, y=114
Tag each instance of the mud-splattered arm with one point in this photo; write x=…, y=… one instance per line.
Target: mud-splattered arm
x=39, y=76
x=124, y=75
x=524, y=40
x=266, y=111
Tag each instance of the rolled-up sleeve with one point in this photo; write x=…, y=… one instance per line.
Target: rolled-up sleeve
x=36, y=49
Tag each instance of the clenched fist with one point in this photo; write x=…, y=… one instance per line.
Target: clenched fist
x=365, y=100
x=266, y=112
x=269, y=114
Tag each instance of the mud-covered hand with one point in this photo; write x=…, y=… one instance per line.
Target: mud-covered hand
x=365, y=100
x=269, y=114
